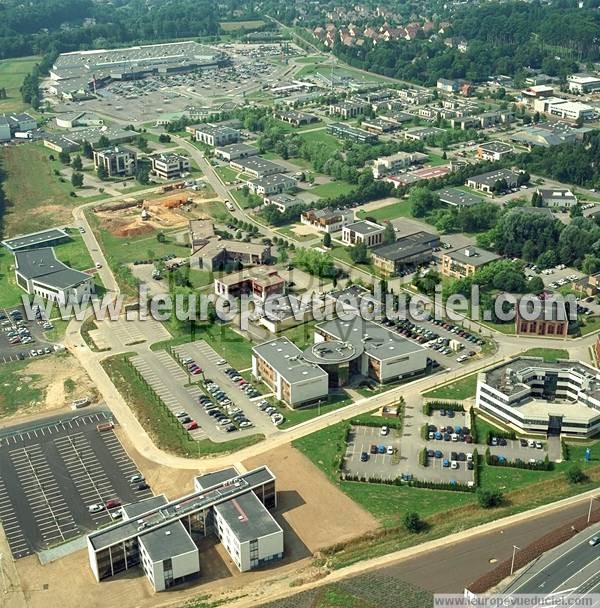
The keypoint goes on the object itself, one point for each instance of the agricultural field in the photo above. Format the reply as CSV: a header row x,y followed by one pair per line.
x,y
232,26
12,73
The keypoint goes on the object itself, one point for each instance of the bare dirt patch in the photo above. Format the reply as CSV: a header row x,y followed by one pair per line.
x,y
319,514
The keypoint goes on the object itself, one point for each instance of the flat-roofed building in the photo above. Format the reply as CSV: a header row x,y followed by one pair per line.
x,y
248,532
260,283
456,197
348,109
486,182
493,150
169,165
256,166
33,240
363,231
235,151
344,131
296,118
156,533
388,165
217,253
466,261
557,197
39,273
534,396
5,132
282,202
583,83
271,184
408,251
118,161
385,355
422,133
280,364
216,135
379,125
571,110
327,220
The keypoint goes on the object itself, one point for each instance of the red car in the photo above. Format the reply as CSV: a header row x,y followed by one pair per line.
x,y
190,426
113,503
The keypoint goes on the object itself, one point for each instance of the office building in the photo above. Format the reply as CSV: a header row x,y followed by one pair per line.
x,y
363,231
348,109
327,220
486,182
583,83
168,165
389,165
235,151
534,396
465,262
271,184
117,162
216,135
283,202
344,131
493,150
260,283
256,166
557,197
409,251
279,364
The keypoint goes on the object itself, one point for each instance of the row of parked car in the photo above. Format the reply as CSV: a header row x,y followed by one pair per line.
x,y
244,385
449,433
458,331
276,416
377,449
224,411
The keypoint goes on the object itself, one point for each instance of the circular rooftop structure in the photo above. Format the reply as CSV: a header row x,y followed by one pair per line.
x,y
332,352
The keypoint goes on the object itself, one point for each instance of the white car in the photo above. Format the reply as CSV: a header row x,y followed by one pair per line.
x,y
98,265
390,449
95,508
531,443
221,362
384,431
454,464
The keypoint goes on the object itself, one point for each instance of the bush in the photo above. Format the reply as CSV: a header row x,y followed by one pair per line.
x,y
413,522
488,499
425,432
430,406
575,474
423,457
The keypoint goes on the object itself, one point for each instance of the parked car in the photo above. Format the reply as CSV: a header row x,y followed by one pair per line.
x,y
95,508
364,457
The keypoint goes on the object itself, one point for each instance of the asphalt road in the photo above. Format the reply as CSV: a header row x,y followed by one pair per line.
x,y
451,569
568,568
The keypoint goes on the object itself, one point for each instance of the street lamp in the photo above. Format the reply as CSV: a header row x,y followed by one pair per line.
x,y
512,563
592,499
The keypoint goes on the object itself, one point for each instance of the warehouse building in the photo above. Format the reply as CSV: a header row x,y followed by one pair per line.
x,y
486,182
534,396
283,202
455,197
256,166
235,151
39,273
279,364
271,184
583,83
158,534
343,131
43,238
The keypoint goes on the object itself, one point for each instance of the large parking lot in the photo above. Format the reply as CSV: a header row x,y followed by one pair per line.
x,y
371,454
20,338
54,471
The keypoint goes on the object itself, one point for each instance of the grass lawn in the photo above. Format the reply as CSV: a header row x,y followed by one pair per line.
x,y
302,335
10,292
74,253
166,432
12,73
463,388
589,324
503,328
216,209
229,344
57,333
290,234
227,174
17,394
331,143
294,417
246,201
435,160
550,355
200,278
332,189
389,212
342,253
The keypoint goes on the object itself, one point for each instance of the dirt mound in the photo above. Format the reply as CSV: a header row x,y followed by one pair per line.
x,y
134,230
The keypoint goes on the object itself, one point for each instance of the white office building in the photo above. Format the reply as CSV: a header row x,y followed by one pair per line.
x,y
534,396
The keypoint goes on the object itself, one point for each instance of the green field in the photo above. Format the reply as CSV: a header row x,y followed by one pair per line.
x,y
227,174
550,355
302,336
12,73
290,234
17,393
463,388
74,253
37,199
589,324
231,26
332,189
331,143
389,212
294,417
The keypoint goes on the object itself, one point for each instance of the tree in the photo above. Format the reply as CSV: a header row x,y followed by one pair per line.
x,y
327,240
575,474
536,285
87,149
164,138
359,253
413,522
64,157
77,179
161,237
489,499
101,172
389,234
142,175
76,164
103,142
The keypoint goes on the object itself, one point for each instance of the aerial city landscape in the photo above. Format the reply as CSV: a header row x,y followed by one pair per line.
x,y
300,303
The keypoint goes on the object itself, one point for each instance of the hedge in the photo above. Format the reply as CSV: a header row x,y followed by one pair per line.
x,y
494,461
430,406
425,432
423,457
499,434
473,425
416,483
